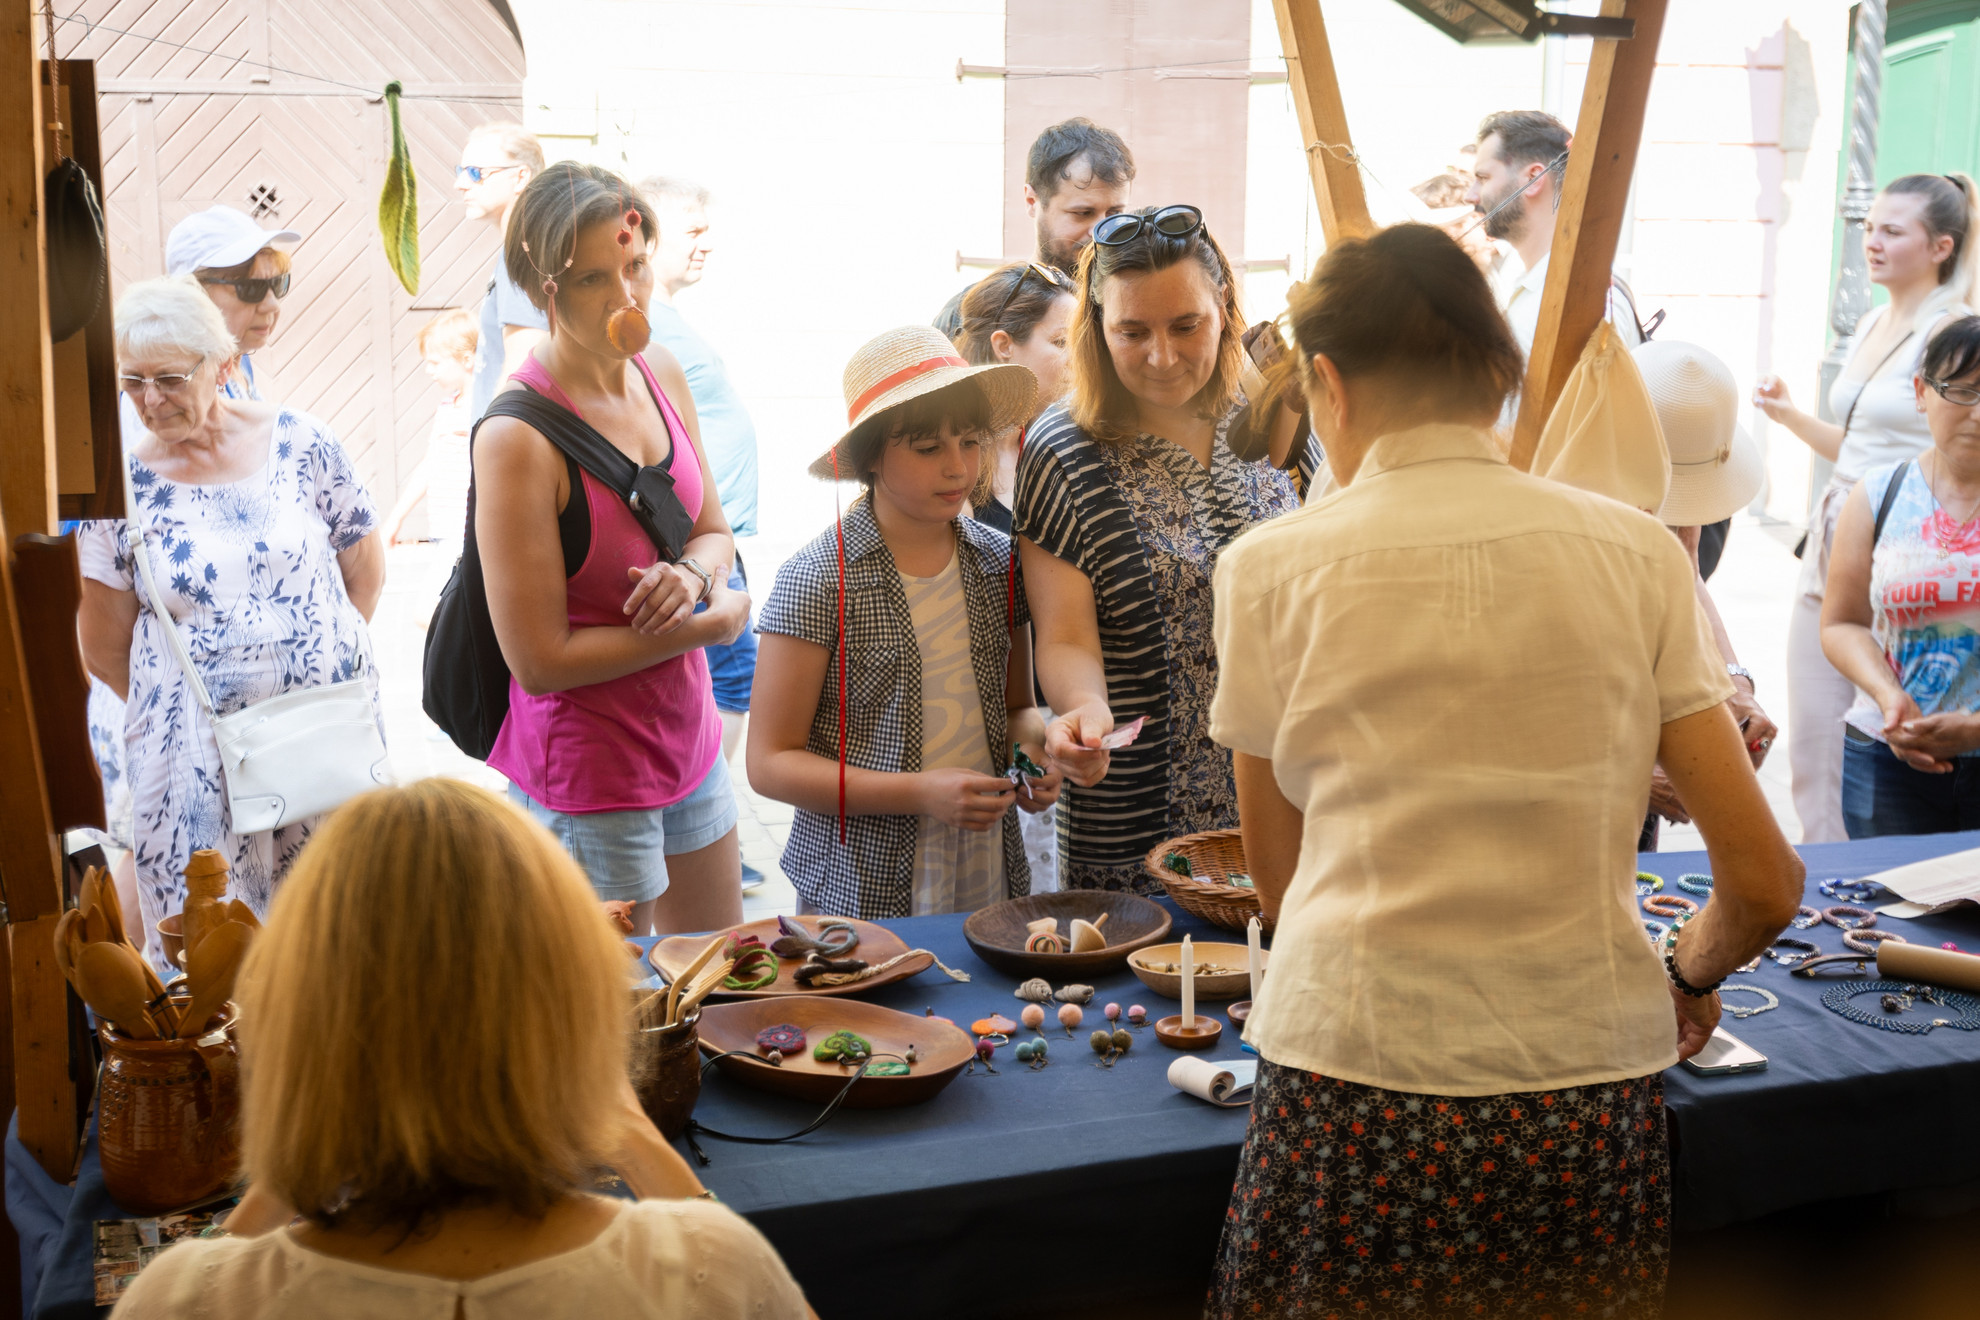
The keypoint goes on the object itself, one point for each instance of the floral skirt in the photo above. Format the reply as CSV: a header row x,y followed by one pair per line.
x,y
1353,1201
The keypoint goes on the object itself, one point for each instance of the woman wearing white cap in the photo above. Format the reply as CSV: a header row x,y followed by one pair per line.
x,y
1715,471
895,673
244,270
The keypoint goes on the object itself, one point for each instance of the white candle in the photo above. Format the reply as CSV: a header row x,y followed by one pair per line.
x,y
1253,933
1189,985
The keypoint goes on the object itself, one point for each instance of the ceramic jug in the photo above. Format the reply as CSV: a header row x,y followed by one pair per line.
x,y
168,1117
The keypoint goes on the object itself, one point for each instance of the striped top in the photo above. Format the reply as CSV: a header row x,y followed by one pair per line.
x,y
1145,522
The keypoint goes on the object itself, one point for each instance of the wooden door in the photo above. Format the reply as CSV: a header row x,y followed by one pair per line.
x,y
275,107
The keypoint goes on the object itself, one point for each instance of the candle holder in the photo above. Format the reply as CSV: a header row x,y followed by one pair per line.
x,y
1238,1012
1201,1034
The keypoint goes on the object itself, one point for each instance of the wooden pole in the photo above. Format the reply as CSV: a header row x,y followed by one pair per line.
x,y
1322,120
1594,195
27,362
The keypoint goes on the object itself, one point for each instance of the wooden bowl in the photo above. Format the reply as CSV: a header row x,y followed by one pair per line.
x,y
944,1049
998,933
1227,985
172,934
876,945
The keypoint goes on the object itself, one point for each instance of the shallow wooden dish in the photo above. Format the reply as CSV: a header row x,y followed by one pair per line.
x,y
1232,985
876,945
942,1047
998,933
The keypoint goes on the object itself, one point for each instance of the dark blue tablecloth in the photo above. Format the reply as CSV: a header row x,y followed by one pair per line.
x,y
1093,1185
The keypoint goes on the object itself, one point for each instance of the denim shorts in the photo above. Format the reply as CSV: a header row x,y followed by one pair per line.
x,y
624,852
732,668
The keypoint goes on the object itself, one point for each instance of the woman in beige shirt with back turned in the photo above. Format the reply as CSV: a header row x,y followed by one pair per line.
x,y
1445,685
434,1026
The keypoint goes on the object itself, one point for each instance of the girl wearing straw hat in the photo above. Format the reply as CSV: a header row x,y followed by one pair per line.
x,y
895,672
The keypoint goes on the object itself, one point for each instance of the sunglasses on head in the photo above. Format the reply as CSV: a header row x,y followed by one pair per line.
x,y
1053,278
1179,221
480,173
252,291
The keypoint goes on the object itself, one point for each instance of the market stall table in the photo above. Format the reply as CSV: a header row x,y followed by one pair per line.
x,y
1077,1187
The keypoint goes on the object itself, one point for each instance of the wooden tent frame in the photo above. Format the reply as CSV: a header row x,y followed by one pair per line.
x,y
1594,192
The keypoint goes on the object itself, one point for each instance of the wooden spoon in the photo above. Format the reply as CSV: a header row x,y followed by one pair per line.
x,y
113,907
64,956
95,924
112,984
212,969
241,912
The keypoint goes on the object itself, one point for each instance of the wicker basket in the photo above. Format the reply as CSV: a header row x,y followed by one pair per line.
x,y
1203,893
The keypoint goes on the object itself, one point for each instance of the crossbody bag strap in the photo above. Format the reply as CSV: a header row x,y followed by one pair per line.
x,y
1890,498
134,540
570,433
1870,379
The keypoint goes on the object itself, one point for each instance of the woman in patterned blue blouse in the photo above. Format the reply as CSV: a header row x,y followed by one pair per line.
x,y
1125,495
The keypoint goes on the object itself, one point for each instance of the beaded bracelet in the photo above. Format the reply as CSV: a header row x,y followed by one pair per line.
x,y
1807,918
1866,941
1897,999
1803,951
1656,930
1647,883
1861,918
1684,987
1850,891
1695,883
1669,905
1773,1000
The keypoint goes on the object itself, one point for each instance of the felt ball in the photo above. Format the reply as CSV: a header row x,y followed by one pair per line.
x,y
1034,1016
625,238
1122,1041
1024,1051
1113,1012
1070,1015
1950,945
984,1049
1038,1049
1137,1014
1101,1042
632,218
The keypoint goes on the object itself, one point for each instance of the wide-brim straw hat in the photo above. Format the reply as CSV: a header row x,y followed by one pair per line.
x,y
1716,468
914,360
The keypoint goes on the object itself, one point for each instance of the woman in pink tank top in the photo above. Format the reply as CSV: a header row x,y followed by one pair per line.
x,y
612,739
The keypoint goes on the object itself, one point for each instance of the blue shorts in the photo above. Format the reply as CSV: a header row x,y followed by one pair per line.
x,y
624,853
732,668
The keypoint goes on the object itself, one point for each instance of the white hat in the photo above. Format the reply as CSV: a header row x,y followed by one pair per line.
x,y
914,360
217,238
1716,468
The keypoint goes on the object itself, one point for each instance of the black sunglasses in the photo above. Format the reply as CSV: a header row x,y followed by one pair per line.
x,y
1179,221
1055,278
253,291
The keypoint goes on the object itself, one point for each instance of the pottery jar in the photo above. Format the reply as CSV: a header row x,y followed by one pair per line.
x,y
666,1073
168,1117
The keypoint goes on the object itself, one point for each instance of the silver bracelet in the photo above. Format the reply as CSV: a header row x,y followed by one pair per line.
x,y
1773,1000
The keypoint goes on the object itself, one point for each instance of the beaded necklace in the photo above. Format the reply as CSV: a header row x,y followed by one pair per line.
x,y
1897,999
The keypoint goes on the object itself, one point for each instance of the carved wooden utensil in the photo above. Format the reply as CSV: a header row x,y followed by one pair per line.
x,y
64,956
211,969
112,984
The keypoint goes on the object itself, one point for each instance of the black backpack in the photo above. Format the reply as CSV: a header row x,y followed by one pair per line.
x,y
464,681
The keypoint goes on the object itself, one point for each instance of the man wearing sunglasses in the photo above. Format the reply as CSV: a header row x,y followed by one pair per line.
x,y
244,269
1076,175
496,165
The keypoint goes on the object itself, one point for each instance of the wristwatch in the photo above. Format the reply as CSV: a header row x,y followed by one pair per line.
x,y
707,580
1741,671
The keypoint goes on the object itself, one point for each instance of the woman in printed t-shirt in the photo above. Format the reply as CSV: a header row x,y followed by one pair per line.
x,y
1901,618
612,740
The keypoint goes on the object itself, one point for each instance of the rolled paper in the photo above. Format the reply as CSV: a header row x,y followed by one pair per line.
x,y
1188,985
1253,934
1917,962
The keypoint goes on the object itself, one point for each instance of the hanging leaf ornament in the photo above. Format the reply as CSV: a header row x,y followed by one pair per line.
x,y
398,205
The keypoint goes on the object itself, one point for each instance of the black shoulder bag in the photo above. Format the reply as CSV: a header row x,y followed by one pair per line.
x,y
464,681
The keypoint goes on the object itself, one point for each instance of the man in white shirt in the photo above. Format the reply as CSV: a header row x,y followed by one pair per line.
x,y
1516,181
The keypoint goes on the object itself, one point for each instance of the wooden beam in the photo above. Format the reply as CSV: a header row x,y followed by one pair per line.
x,y
1322,120
1594,195
27,364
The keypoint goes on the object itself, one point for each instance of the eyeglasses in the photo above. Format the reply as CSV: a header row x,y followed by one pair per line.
x,y
171,384
253,291
1963,395
480,173
1178,221
1052,276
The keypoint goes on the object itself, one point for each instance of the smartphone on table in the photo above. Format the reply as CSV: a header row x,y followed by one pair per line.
x,y
1725,1053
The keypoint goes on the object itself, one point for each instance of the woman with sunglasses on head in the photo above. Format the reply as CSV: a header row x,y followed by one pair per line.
x,y
1922,248
1126,494
612,739
244,269
264,549
1020,314
1901,615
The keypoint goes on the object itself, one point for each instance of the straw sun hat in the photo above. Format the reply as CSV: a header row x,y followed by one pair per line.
x,y
1716,468
912,361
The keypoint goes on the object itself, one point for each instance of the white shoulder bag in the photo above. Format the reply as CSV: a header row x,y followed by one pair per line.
x,y
286,758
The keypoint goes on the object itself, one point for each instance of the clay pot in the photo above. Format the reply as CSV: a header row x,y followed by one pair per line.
x,y
168,1117
666,1074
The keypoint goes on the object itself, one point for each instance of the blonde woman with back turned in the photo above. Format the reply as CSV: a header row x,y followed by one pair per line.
x,y
435,1114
